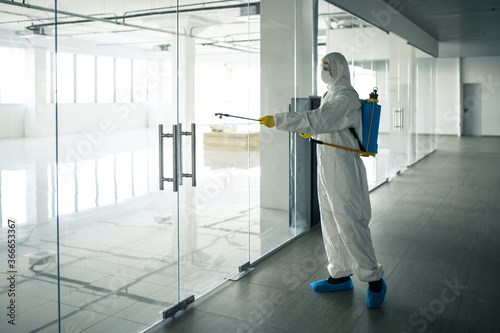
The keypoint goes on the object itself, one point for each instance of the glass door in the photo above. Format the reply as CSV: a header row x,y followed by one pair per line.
x,y
28,198
118,244
217,67
399,94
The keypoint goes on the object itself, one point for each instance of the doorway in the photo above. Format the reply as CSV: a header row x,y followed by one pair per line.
x,y
471,110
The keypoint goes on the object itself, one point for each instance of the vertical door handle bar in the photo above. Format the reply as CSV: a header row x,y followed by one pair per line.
x,y
193,153
175,136
174,179
402,119
192,175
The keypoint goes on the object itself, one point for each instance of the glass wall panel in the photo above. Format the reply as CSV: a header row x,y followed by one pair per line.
x,y
366,49
286,81
117,231
400,70
425,104
28,223
215,76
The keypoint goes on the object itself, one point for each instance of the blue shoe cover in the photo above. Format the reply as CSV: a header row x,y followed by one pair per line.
x,y
324,286
375,300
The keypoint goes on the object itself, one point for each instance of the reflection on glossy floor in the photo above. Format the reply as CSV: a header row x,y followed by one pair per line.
x,y
435,229
118,244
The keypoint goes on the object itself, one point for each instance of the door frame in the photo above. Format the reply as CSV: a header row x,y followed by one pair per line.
x,y
471,99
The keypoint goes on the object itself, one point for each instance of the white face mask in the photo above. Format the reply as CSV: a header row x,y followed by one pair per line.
x,y
326,77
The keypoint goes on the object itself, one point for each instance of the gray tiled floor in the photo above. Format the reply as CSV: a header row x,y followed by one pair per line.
x,y
435,229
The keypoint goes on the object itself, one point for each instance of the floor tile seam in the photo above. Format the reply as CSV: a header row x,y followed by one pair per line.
x,y
267,286
409,254
356,321
87,305
366,309
412,195
401,312
468,278
249,285
223,316
133,321
438,208
111,316
386,277
410,237
33,308
262,325
410,279
440,279
481,323
270,312
437,262
68,315
442,242
302,260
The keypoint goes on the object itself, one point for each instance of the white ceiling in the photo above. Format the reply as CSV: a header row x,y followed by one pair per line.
x,y
462,27
135,24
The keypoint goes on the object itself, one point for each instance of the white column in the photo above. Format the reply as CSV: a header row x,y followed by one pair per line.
x,y
185,84
40,122
286,72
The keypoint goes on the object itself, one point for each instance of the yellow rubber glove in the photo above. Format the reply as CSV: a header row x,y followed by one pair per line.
x,y
307,136
267,121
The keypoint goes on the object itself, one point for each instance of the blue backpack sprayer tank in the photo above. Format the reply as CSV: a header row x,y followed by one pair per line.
x,y
371,121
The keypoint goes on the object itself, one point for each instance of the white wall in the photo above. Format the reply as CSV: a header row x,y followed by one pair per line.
x,y
449,96
486,71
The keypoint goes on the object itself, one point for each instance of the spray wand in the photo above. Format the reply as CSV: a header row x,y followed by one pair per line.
x,y
220,115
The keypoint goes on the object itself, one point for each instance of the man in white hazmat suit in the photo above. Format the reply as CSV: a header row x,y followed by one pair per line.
x,y
342,185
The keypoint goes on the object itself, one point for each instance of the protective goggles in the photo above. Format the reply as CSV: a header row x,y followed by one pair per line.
x,y
325,67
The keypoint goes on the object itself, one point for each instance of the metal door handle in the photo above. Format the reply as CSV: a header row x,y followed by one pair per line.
x,y
398,119
174,179
402,124
192,175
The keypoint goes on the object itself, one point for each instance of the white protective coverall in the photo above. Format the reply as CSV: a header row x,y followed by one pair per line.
x,y
342,185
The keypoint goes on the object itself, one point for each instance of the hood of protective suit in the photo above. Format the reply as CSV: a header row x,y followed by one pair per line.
x,y
340,77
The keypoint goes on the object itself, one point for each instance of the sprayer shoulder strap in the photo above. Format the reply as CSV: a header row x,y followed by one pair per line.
x,y
353,132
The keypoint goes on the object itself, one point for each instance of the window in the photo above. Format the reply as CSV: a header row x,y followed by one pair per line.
x,y
85,79
65,78
105,80
123,80
12,75
51,74
140,81
96,79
